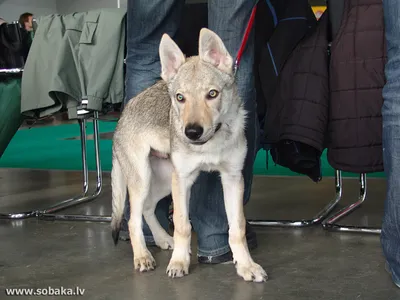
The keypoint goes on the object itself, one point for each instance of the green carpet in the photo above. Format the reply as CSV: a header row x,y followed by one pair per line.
x,y
51,147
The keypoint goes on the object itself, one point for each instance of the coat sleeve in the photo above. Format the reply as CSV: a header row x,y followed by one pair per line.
x,y
302,94
74,57
356,80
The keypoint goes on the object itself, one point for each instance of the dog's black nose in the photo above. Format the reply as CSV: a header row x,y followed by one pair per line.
x,y
193,131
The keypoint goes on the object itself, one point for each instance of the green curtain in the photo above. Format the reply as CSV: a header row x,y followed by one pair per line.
x,y
10,111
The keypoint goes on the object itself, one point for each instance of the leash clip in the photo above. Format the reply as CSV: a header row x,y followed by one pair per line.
x,y
235,67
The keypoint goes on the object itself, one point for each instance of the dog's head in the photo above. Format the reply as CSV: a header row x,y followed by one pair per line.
x,y
201,87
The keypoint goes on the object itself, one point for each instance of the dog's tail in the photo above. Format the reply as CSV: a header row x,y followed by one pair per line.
x,y
118,184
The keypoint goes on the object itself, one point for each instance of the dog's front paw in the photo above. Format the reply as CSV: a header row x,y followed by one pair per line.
x,y
165,243
177,268
251,272
144,262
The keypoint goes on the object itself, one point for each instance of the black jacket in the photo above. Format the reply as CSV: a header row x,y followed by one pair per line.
x,y
14,46
286,37
319,97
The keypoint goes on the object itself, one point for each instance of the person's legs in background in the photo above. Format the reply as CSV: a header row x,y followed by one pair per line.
x,y
147,21
227,18
390,237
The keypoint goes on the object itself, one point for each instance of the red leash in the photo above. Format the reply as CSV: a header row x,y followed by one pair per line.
x,y
244,40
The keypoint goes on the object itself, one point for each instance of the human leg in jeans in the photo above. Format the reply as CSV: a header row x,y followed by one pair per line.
x,y
390,237
147,21
228,18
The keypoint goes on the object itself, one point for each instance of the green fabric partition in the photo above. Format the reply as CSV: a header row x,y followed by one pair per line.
x,y
10,111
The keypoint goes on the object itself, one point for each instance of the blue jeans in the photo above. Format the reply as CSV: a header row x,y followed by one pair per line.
x,y
390,237
147,21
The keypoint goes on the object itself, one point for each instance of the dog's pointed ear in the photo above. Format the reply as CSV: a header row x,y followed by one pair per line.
x,y
171,57
212,50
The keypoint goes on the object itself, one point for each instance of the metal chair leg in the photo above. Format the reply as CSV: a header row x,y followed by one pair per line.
x,y
48,213
318,218
330,223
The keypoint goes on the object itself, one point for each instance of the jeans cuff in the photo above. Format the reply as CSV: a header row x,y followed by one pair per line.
x,y
214,252
395,277
149,240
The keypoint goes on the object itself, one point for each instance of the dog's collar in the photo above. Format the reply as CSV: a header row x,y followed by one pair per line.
x,y
218,127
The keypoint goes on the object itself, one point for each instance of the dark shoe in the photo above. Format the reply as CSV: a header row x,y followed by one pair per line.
x,y
251,238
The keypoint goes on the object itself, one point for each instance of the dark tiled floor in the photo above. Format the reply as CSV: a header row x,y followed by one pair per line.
x,y
307,263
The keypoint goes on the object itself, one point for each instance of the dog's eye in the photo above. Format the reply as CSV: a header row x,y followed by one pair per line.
x,y
212,94
180,97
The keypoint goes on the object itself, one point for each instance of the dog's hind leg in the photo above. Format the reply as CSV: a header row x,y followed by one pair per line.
x,y
159,188
233,186
138,176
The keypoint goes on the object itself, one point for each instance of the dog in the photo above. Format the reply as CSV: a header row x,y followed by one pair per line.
x,y
190,121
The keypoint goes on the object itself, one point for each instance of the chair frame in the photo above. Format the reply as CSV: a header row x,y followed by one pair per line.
x,y
317,219
331,223
85,197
